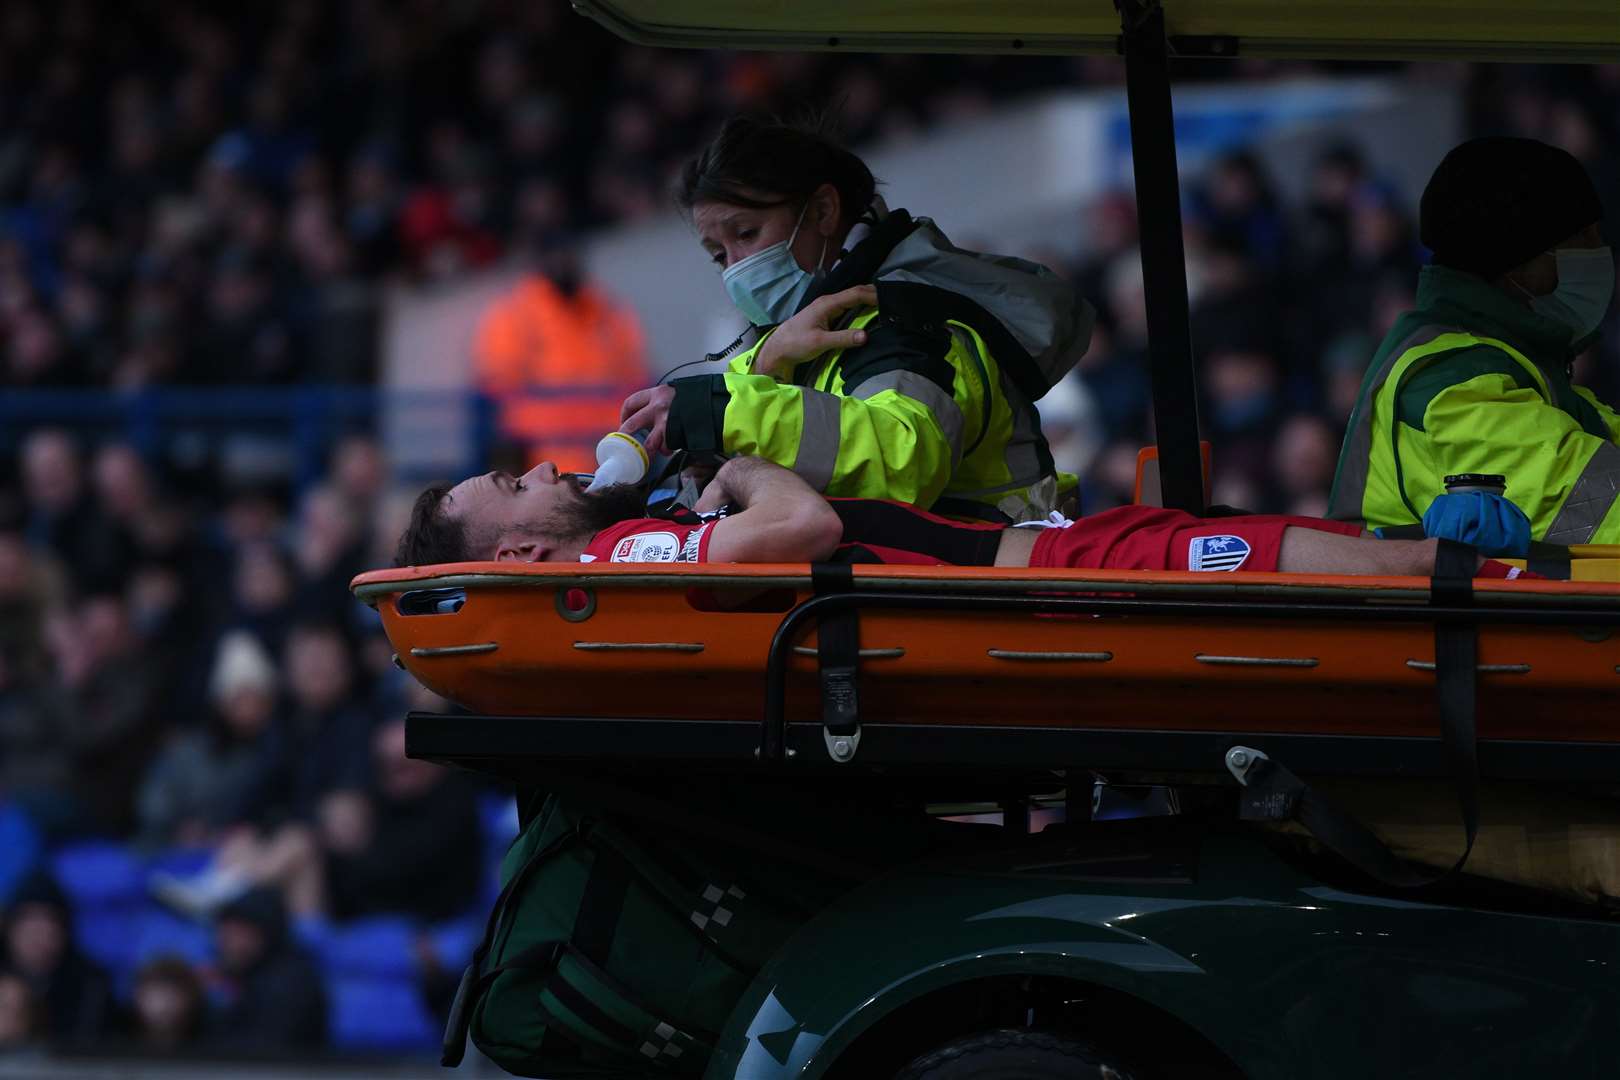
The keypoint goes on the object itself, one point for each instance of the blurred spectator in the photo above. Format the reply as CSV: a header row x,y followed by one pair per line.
x,y
75,995
1236,207
114,726
274,1001
410,846
1303,460
407,844
36,756
59,517
328,550
1241,387
1072,425
1114,368
21,1029
245,337
1323,237
169,1006
37,765
229,774
557,333
1110,235
326,738
328,729
261,600
359,474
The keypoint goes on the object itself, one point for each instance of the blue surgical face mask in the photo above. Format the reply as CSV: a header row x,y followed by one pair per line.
x,y
1585,287
769,285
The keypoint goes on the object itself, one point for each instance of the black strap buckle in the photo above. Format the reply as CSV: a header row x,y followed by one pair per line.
x,y
838,650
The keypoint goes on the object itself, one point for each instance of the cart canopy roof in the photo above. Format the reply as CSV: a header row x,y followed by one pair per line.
x,y
1513,30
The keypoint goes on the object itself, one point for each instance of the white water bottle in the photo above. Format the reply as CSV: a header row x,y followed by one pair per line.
x,y
620,459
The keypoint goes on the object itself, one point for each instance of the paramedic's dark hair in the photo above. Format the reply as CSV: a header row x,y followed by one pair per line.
x,y
783,162
433,536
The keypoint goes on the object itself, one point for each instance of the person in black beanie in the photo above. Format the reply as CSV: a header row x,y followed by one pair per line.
x,y
1477,380
275,1001
39,947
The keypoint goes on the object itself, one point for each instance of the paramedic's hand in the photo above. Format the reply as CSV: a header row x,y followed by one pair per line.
x,y
648,409
1489,522
810,333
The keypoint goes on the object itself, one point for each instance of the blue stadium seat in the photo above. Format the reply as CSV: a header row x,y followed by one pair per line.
x,y
312,932
159,931
106,934
381,947
498,821
497,816
20,847
99,873
454,941
182,862
379,1015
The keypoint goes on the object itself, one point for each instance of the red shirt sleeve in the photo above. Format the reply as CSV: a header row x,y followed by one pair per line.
x,y
650,540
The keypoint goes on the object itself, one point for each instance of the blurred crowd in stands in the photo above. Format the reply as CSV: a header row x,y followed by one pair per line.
x,y
202,763
210,838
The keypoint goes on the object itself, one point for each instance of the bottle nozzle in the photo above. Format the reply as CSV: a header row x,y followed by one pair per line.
x,y
620,459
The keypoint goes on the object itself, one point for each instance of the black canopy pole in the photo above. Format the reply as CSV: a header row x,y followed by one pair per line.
x,y
1164,267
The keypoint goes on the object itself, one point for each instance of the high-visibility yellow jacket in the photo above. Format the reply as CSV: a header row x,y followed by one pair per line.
x,y
936,408
1473,382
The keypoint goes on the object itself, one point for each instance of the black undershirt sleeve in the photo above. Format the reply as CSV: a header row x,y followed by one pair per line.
x,y
893,525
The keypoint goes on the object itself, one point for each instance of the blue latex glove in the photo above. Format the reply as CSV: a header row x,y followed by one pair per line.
x,y
1489,522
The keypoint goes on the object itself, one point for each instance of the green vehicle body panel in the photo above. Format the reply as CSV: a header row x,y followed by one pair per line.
x,y
1289,977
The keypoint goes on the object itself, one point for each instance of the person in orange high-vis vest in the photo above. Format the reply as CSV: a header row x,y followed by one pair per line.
x,y
557,355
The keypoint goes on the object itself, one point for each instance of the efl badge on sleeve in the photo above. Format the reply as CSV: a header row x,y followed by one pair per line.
x,y
1217,552
648,547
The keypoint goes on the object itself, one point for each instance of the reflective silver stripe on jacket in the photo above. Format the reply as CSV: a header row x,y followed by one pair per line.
x,y
1589,500
921,388
1355,461
818,439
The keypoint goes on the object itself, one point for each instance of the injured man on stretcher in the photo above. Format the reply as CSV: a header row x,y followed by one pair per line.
x,y
754,511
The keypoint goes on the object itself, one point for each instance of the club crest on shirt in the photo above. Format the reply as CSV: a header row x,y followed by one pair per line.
x,y
1224,552
648,547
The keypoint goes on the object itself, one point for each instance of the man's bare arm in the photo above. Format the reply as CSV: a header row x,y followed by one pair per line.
x,y
783,518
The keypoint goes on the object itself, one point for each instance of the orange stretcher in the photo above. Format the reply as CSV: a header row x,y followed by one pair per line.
x,y
968,666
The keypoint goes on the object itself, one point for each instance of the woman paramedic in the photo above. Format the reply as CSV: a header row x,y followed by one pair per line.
x,y
926,391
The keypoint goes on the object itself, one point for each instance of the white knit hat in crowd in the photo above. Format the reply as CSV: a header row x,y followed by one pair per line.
x,y
241,663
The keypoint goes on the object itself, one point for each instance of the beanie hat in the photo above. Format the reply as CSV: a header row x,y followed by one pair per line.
x,y
1497,202
241,664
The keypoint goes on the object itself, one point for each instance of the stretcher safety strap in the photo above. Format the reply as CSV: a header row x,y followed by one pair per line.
x,y
838,639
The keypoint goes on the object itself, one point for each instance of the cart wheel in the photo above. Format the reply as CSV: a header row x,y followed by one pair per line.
x,y
1012,1055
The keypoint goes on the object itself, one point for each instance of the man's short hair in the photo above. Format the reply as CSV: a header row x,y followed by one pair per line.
x,y
433,536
